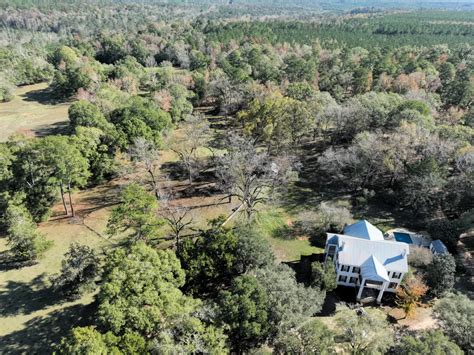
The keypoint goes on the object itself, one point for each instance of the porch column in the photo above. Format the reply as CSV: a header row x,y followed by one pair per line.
x,y
361,288
379,297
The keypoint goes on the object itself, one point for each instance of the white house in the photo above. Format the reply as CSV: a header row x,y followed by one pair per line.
x,y
364,259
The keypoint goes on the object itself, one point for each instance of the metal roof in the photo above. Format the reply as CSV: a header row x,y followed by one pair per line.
x,y
364,230
372,269
355,251
439,247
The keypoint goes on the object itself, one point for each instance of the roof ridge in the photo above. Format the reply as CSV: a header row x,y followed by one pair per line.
x,y
368,240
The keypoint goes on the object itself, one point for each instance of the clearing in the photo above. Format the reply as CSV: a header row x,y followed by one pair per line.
x,y
33,317
32,112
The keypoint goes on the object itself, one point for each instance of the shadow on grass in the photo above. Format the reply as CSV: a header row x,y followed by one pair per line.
x,y
52,129
43,96
42,333
27,297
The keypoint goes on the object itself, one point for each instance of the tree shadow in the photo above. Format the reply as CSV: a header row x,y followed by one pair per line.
x,y
175,170
43,96
41,334
57,128
27,297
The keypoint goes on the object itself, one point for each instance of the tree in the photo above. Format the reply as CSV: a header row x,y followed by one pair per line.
x,y
141,303
430,342
251,175
363,331
252,250
191,336
79,268
290,303
441,274
84,113
244,309
455,313
323,276
140,291
209,259
147,153
24,240
95,145
446,231
409,293
86,340
311,337
195,134
279,122
69,167
6,161
179,219
140,118
136,213
33,172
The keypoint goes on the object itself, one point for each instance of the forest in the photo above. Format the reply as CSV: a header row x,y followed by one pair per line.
x,y
170,171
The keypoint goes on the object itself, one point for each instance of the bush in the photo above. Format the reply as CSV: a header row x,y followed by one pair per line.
x,y
328,218
420,257
440,274
6,91
323,277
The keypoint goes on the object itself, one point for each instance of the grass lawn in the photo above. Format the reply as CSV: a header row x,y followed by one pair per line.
x,y
32,112
32,316
275,224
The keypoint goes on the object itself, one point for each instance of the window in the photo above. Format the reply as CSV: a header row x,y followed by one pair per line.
x,y
345,268
342,278
392,285
356,270
353,280
397,275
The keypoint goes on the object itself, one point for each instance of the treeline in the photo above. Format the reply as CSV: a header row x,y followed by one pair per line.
x,y
381,31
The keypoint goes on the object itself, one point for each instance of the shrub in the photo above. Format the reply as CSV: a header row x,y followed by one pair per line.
x,y
410,292
322,276
420,257
328,218
440,274
6,91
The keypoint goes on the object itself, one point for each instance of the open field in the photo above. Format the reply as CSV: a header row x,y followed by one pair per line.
x,y
32,112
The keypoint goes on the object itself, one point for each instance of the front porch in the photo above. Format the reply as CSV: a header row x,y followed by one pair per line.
x,y
370,290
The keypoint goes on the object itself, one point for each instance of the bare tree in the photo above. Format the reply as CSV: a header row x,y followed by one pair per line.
x,y
252,175
195,133
145,152
178,218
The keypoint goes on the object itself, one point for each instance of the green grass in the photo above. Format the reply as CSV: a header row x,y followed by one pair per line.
x,y
32,316
32,112
275,226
